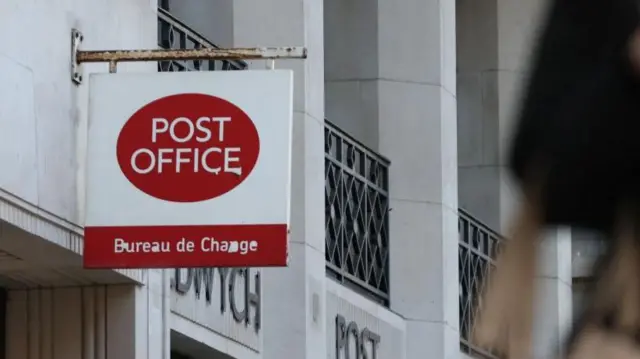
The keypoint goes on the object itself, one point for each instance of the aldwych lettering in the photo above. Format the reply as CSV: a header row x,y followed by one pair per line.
x,y
363,338
202,279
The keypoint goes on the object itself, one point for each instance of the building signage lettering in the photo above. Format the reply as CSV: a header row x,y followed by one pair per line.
x,y
347,333
203,281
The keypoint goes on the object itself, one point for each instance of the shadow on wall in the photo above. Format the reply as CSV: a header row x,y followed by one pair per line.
x,y
183,347
3,323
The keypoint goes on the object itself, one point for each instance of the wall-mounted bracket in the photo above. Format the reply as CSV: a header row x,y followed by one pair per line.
x,y
113,57
76,68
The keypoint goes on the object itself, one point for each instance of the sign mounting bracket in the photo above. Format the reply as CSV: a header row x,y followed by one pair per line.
x,y
113,57
76,40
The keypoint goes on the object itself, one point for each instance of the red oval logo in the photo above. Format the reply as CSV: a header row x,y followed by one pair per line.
x,y
188,148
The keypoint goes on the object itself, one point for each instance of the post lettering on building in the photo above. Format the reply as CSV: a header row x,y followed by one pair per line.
x,y
208,282
351,339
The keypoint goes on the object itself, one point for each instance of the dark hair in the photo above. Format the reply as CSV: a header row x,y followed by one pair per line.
x,y
579,119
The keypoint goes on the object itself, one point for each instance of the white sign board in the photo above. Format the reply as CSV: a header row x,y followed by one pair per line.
x,y
188,169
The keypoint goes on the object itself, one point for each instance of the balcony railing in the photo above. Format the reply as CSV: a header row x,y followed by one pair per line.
x,y
478,246
356,215
173,34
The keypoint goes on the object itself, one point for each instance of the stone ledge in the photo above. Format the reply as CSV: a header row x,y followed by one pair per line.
x,y
50,227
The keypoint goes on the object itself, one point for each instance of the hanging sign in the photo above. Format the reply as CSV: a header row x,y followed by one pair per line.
x,y
188,169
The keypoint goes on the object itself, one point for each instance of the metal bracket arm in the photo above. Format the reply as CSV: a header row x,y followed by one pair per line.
x,y
257,53
209,53
76,39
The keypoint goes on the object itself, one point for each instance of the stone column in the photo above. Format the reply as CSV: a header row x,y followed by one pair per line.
x,y
554,308
417,131
137,319
294,297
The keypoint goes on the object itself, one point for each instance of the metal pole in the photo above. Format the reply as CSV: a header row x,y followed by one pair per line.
x,y
258,53
113,57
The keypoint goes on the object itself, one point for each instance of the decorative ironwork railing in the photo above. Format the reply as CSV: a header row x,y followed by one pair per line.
x,y
173,34
356,214
478,246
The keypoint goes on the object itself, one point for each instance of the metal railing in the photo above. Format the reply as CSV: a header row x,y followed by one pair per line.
x,y
478,246
173,34
356,215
